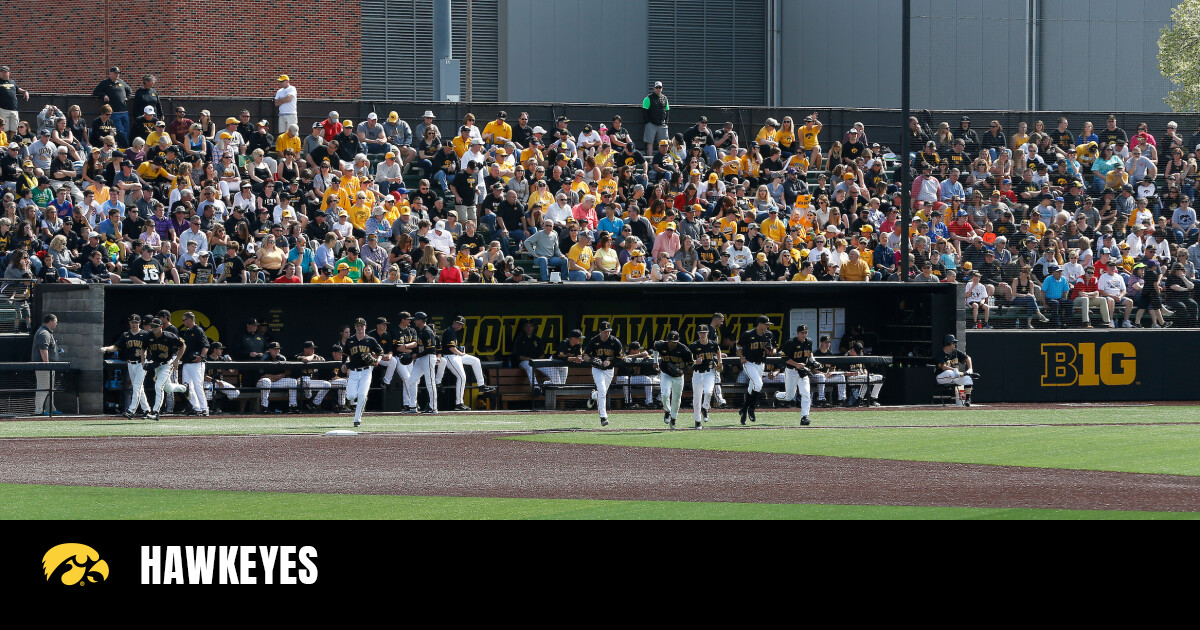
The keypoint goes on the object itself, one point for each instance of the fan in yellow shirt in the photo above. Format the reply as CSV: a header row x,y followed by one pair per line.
x,y
465,262
772,227
580,256
766,135
359,213
287,141
607,184
731,165
335,190
635,269
498,131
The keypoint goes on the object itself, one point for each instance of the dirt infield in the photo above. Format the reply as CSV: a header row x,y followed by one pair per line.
x,y
481,465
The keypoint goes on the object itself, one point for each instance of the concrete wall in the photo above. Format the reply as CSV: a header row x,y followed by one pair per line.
x,y
573,51
80,333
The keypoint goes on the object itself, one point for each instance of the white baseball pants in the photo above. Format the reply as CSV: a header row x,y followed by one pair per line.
x,y
794,383
194,373
702,389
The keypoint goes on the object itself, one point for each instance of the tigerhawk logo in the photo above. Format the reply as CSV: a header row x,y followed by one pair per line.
x,y
75,564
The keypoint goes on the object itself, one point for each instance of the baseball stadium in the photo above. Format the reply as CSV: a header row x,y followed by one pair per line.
x,y
677,280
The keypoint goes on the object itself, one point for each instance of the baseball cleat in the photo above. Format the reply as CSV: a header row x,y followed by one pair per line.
x,y
128,414
358,423
430,411
153,415
751,416
671,423
704,414
487,389
742,416
667,417
699,425
461,408
603,422
804,421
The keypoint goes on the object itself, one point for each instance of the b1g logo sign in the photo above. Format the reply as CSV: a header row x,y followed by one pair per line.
x,y
1089,364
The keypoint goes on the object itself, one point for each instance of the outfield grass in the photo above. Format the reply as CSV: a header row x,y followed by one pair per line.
x,y
85,503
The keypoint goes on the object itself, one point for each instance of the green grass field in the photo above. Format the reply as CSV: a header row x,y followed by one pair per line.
x,y
1145,439
77,503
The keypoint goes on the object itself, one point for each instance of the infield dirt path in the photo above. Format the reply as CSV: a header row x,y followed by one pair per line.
x,y
480,465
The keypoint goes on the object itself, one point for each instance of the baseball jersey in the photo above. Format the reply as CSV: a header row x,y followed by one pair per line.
x,y
309,371
405,336
673,362
162,348
449,340
609,350
565,349
798,351
709,355
387,339
754,345
196,343
953,360
358,351
274,365
527,346
131,345
426,342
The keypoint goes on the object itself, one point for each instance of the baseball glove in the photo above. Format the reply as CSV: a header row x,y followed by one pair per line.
x,y
597,363
670,369
406,358
371,360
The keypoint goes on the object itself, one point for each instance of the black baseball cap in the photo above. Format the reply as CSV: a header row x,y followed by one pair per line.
x,y
420,315
949,340
308,344
802,328
605,326
673,335
762,319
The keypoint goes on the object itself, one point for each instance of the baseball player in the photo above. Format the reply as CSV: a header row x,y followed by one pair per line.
x,y
706,367
165,316
638,368
337,377
195,342
406,342
673,359
828,375
954,367
752,349
569,350
857,374
273,377
387,340
362,354
603,351
313,388
528,346
130,348
213,381
424,364
454,357
716,332
164,350
798,359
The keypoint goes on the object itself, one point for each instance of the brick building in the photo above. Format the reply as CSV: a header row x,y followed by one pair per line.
x,y
219,48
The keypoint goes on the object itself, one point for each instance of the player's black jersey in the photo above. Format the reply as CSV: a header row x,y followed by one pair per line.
x,y
755,346
273,365
673,362
309,371
609,350
427,343
565,350
527,346
387,339
405,336
358,351
953,360
709,355
449,340
796,350
131,345
196,343
162,349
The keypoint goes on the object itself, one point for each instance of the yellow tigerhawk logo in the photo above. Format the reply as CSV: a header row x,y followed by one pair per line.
x,y
79,564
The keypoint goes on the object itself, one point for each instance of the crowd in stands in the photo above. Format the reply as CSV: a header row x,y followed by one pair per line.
x,y
151,196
